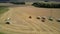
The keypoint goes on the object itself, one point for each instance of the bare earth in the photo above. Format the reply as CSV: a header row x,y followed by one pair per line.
x,y
21,24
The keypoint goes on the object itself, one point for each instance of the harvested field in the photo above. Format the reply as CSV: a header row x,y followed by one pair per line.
x,y
20,23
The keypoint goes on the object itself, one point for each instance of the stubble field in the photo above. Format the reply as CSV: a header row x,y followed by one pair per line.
x,y
20,23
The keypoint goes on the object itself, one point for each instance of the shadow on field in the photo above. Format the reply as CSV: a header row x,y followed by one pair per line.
x,y
2,33
3,9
